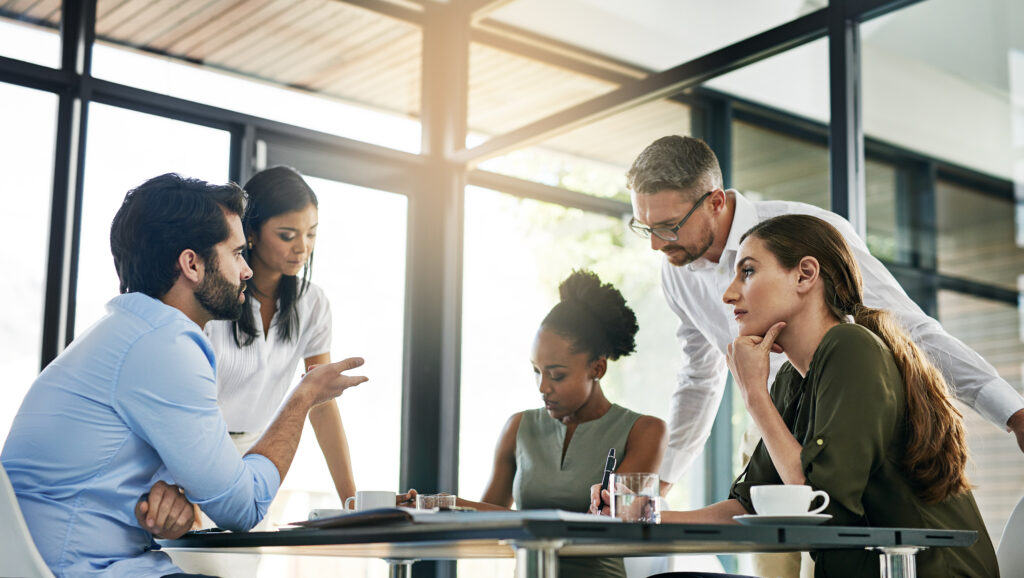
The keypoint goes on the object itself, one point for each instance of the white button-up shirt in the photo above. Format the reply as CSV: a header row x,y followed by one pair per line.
x,y
252,381
707,327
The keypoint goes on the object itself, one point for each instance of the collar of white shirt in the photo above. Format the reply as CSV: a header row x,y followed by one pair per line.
x,y
743,218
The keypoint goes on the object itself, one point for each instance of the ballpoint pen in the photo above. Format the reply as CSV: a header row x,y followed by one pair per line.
x,y
609,467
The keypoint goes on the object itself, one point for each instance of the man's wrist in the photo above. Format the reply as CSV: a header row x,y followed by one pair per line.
x,y
1016,422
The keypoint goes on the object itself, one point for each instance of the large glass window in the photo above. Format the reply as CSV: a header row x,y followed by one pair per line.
x,y
769,165
29,31
125,149
330,66
977,236
594,158
27,127
961,104
795,81
365,283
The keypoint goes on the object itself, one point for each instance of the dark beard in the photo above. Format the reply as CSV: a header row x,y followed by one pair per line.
x,y
217,295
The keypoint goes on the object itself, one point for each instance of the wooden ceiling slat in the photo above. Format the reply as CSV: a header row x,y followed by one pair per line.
x,y
235,13
331,45
365,48
19,6
248,28
195,16
275,35
116,16
142,22
303,34
44,10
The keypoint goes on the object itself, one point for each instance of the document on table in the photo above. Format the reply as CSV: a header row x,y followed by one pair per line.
x,y
341,518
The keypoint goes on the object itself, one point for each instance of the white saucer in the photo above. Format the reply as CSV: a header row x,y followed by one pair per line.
x,y
798,520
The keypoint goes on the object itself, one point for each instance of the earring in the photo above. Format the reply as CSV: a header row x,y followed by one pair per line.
x,y
250,245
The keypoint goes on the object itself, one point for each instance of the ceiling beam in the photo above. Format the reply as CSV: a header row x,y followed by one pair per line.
x,y
480,9
656,86
411,12
548,194
530,45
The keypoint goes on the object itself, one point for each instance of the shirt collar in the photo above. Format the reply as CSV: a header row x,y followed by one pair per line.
x,y
146,307
744,217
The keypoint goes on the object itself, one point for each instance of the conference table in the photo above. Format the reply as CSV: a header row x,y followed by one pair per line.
x,y
536,541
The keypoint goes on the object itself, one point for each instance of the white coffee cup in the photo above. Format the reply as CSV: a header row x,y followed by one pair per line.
x,y
369,500
786,500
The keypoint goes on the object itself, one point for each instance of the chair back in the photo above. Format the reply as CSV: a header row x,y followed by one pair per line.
x,y
1010,552
18,554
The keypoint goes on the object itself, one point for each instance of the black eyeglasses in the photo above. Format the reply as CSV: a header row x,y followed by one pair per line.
x,y
665,233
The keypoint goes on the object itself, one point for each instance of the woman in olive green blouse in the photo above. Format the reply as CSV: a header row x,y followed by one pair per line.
x,y
858,411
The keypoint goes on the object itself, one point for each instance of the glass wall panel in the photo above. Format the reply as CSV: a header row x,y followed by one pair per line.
x,y
325,65
27,128
504,305
795,81
125,149
769,165
994,330
884,238
30,31
365,283
956,101
961,103
594,158
977,236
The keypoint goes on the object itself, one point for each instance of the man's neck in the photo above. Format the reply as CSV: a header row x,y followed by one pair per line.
x,y
722,228
185,301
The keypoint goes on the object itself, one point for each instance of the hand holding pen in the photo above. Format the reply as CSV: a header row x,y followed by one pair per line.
x,y
609,467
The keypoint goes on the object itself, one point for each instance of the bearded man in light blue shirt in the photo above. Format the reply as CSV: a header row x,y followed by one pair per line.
x,y
133,400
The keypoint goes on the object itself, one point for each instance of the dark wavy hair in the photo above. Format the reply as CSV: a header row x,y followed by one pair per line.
x,y
272,192
935,459
593,316
163,217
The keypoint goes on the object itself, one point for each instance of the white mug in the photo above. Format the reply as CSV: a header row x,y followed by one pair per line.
x,y
786,500
370,500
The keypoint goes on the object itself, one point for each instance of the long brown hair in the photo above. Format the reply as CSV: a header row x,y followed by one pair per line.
x,y
936,453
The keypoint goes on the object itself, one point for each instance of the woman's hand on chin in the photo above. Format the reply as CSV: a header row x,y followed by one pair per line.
x,y
749,363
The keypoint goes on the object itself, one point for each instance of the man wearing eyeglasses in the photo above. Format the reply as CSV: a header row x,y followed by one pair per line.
x,y
680,205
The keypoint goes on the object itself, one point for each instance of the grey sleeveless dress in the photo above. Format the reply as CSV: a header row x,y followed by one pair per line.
x,y
544,480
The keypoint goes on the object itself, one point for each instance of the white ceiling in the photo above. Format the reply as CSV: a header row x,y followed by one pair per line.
x,y
653,34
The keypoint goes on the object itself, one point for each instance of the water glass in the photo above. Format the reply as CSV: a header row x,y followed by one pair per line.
x,y
635,497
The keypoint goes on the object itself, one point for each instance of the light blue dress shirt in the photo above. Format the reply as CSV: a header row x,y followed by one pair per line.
x,y
131,401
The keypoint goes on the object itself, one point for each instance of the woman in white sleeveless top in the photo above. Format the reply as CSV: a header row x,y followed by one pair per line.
x,y
286,320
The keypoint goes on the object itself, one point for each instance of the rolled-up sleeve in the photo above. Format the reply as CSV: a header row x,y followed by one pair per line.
x,y
166,393
700,384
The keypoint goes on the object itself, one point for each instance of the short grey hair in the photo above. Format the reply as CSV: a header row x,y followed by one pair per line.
x,y
680,163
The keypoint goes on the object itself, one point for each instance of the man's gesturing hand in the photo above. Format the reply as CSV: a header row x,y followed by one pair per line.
x,y
326,382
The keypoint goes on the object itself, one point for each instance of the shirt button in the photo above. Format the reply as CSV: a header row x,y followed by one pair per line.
x,y
820,442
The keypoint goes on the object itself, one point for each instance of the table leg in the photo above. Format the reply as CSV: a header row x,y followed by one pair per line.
x,y
898,561
399,568
537,559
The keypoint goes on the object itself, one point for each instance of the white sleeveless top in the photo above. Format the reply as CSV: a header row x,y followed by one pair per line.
x,y
252,381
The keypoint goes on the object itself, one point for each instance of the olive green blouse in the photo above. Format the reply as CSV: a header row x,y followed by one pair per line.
x,y
848,413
